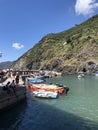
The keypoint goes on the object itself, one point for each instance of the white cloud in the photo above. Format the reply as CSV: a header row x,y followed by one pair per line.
x,y
85,7
17,46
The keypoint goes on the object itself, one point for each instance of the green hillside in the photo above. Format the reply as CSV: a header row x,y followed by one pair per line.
x,y
68,52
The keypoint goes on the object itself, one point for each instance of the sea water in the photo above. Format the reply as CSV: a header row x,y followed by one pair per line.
x,y
78,110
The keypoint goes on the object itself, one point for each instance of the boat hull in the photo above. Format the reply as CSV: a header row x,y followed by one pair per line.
x,y
46,87
45,94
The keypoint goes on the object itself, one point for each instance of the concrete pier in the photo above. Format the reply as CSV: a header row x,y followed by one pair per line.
x,y
8,100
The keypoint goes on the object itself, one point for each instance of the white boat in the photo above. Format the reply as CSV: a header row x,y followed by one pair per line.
x,y
96,73
45,94
81,75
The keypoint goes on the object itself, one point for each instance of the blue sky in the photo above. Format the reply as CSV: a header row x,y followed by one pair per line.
x,y
24,22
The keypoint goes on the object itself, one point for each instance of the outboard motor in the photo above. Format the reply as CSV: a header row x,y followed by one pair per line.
x,y
66,89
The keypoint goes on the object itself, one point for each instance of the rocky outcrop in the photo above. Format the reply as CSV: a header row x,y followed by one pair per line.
x,y
68,52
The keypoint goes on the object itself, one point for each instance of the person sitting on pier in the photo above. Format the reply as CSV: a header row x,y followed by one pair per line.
x,y
12,85
7,87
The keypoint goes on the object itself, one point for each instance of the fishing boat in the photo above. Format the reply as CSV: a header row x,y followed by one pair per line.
x,y
45,94
39,84
46,87
32,80
96,74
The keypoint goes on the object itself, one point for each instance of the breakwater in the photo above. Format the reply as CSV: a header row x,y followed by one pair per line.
x,y
7,100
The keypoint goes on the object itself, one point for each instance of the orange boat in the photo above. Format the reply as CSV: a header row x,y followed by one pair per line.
x,y
46,87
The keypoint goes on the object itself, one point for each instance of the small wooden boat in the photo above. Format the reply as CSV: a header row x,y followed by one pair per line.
x,y
47,87
39,84
34,80
45,94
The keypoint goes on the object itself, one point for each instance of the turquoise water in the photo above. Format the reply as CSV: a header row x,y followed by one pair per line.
x,y
82,99
78,110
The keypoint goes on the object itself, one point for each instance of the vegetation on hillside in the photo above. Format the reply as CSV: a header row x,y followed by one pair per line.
x,y
71,49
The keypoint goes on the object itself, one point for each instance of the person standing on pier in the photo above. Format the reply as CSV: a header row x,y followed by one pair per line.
x,y
17,79
13,86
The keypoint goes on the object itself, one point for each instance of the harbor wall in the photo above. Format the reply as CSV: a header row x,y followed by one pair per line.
x,y
7,100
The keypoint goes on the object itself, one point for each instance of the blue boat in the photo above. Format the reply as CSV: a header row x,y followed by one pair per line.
x,y
35,80
96,73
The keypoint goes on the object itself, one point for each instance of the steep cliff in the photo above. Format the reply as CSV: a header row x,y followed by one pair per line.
x,y
68,52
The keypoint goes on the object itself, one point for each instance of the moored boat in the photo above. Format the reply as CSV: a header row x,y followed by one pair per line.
x,y
47,87
81,75
39,84
45,94
35,80
96,74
